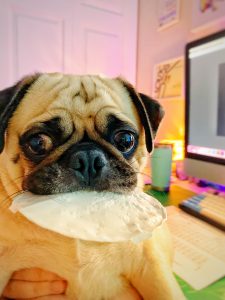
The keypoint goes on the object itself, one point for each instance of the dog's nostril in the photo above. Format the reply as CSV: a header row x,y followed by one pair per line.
x,y
79,164
96,165
99,163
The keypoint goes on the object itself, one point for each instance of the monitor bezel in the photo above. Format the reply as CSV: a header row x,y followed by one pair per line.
x,y
190,45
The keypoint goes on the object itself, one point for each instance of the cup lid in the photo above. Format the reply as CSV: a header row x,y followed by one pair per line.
x,y
163,145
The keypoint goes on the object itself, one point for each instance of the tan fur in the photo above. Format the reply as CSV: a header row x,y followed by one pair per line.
x,y
94,271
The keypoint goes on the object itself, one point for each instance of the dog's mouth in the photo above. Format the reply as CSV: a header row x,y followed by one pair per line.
x,y
56,178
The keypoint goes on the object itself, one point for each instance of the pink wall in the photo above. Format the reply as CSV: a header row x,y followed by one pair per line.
x,y
154,47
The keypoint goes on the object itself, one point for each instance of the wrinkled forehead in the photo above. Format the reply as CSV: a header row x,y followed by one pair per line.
x,y
77,98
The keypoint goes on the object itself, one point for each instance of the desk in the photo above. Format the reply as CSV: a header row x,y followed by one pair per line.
x,y
215,291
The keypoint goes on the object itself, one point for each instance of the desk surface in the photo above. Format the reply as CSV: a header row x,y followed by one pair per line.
x,y
215,291
174,197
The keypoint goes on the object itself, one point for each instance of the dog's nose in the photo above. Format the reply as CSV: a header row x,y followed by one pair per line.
x,y
88,165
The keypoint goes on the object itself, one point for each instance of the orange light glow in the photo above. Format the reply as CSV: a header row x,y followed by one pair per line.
x,y
178,148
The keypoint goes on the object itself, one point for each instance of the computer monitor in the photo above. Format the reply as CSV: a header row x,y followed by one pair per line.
x,y
205,108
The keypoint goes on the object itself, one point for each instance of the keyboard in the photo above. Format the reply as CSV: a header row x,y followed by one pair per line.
x,y
208,207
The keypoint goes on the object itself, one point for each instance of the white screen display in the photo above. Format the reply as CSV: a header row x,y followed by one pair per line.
x,y
207,99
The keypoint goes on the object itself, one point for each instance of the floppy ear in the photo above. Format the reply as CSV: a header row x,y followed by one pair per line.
x,y
9,100
150,112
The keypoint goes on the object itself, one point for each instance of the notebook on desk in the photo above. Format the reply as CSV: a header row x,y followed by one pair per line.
x,y
199,249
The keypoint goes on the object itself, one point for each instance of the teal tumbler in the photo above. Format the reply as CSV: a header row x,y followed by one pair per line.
x,y
161,166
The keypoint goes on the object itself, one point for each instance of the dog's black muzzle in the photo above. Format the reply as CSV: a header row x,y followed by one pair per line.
x,y
84,166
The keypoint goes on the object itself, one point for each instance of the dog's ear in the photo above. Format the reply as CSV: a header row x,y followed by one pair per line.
x,y
9,100
150,112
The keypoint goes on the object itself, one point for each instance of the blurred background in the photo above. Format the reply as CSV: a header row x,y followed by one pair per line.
x,y
137,39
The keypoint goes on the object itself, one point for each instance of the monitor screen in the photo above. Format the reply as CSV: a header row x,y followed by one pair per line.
x,y
205,100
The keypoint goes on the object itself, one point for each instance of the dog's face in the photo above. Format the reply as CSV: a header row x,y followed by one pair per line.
x,y
62,133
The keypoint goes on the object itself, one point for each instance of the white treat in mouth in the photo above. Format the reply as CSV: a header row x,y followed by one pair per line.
x,y
94,216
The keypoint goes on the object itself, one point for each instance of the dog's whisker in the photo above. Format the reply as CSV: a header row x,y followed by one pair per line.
x,y
11,180
4,201
145,174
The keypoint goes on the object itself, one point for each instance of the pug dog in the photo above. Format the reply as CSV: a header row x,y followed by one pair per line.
x,y
64,133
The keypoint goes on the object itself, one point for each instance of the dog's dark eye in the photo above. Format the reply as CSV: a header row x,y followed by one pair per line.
x,y
39,144
124,141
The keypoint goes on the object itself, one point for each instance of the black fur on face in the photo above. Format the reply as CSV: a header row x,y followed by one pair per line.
x,y
85,165
60,177
51,128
